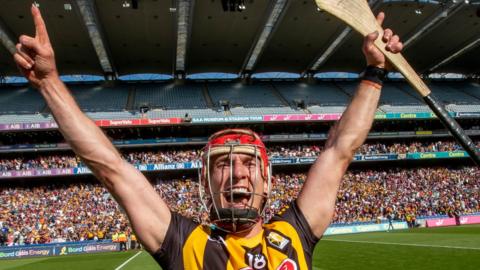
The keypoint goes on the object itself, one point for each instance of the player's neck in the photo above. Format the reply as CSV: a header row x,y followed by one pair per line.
x,y
255,230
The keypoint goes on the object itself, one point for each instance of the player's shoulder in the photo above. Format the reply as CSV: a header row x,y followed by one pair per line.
x,y
183,223
285,213
181,232
291,218
283,218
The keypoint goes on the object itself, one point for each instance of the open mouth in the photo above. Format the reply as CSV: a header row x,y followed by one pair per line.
x,y
238,197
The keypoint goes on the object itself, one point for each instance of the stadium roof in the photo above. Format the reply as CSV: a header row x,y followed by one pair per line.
x,y
119,37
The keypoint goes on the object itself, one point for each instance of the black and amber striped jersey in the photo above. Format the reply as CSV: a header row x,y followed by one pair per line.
x,y
285,242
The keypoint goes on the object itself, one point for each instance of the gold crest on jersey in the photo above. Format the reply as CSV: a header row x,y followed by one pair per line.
x,y
277,240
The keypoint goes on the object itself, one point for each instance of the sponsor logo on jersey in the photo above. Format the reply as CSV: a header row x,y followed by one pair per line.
x,y
288,264
277,240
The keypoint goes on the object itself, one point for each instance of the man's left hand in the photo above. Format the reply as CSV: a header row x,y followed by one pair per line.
x,y
372,54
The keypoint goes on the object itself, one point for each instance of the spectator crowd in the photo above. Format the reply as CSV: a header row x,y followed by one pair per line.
x,y
85,211
58,161
58,213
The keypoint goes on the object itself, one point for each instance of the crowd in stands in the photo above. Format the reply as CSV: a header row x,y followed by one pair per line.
x,y
40,162
59,213
414,147
76,212
370,195
156,157
186,155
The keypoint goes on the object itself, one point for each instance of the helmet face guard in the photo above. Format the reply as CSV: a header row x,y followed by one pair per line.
x,y
242,214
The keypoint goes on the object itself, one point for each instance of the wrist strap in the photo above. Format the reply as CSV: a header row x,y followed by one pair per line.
x,y
374,74
372,84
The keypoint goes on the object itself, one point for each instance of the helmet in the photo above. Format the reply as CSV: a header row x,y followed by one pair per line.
x,y
229,142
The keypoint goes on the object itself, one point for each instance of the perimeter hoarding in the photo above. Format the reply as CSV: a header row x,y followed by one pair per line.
x,y
37,172
464,220
70,249
226,119
21,252
56,249
28,126
364,228
100,123
441,222
197,164
301,117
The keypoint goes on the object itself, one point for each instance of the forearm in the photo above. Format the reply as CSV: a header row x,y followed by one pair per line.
x,y
318,195
148,214
86,139
352,129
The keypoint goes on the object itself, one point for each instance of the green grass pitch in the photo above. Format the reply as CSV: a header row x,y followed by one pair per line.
x,y
435,248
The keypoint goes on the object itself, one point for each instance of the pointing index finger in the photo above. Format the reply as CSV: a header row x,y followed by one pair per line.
x,y
40,28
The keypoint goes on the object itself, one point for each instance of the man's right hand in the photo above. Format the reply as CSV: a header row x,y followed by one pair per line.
x,y
34,56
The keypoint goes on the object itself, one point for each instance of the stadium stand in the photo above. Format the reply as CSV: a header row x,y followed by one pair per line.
x,y
170,96
472,89
25,118
242,111
396,97
256,95
464,108
95,98
113,115
191,154
450,95
325,93
165,100
77,210
326,109
158,113
20,100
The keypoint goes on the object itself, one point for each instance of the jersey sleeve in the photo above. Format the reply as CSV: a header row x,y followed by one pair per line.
x,y
294,216
169,256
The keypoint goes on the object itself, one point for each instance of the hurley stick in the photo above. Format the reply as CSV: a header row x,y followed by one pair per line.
x,y
359,16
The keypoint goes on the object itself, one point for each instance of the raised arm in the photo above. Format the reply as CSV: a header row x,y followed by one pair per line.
x,y
148,214
318,195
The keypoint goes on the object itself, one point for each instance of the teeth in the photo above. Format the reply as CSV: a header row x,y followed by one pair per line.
x,y
239,190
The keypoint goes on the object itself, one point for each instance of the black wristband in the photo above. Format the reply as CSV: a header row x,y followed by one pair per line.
x,y
374,74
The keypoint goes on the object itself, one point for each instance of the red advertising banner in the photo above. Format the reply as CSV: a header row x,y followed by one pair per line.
x,y
441,222
469,220
161,121
302,117
100,123
138,122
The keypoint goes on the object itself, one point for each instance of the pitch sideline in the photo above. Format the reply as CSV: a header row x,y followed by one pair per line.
x,y
128,260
